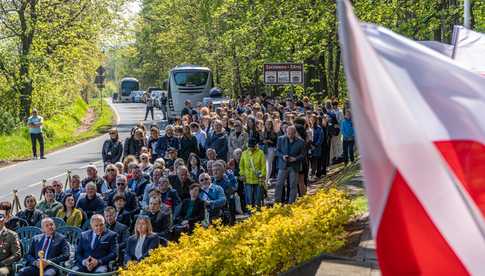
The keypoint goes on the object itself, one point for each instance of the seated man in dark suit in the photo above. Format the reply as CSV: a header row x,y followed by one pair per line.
x,y
54,245
97,247
118,228
9,248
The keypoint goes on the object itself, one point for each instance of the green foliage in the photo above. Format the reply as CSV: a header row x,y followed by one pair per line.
x,y
60,130
270,241
49,51
7,122
235,38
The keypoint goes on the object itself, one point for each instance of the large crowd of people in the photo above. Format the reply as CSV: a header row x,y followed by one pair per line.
x,y
210,163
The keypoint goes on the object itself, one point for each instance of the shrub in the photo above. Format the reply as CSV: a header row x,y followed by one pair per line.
x,y
273,240
8,122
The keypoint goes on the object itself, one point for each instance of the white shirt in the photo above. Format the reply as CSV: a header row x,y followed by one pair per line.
x,y
139,247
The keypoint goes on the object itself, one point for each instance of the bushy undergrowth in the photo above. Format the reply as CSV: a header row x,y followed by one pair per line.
x,y
273,240
59,130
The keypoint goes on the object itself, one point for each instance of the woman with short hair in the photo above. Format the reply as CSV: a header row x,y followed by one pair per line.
x,y
49,206
144,240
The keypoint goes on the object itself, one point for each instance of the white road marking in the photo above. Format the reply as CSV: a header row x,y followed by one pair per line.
x,y
40,182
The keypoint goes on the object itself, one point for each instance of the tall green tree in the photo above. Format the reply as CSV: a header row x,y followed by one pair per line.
x,y
49,46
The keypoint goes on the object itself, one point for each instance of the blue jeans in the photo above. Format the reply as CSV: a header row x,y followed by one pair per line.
x,y
290,174
253,194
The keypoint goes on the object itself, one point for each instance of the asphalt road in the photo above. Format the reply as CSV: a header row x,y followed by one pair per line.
x,y
26,177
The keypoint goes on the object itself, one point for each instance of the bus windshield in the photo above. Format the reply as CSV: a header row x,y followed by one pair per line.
x,y
128,86
191,78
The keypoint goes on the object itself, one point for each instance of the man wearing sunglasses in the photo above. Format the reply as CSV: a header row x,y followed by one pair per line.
x,y
212,195
9,247
130,197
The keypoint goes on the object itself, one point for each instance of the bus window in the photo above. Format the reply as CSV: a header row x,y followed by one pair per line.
x,y
188,78
128,86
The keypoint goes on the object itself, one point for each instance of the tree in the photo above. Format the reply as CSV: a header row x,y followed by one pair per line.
x,y
43,42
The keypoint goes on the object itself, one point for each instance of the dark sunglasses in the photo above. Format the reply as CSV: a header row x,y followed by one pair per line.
x,y
120,183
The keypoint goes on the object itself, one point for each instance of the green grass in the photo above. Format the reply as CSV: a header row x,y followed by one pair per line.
x,y
361,204
348,176
60,130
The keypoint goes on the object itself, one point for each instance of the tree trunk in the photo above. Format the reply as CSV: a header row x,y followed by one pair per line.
x,y
255,90
24,84
322,74
336,73
237,73
330,65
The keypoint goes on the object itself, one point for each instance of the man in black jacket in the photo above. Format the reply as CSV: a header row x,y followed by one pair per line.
x,y
91,203
92,177
181,182
118,228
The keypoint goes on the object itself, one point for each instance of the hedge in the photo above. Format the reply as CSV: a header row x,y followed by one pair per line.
x,y
270,241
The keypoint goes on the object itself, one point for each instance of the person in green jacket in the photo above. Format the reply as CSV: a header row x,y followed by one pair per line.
x,y
49,206
253,172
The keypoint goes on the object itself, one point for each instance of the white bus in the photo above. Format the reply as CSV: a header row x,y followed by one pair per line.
x,y
127,85
187,82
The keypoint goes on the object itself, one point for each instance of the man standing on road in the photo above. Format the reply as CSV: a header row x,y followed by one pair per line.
x,y
149,108
35,123
290,151
163,105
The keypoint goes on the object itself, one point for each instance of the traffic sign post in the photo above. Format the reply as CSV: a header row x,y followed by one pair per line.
x,y
99,81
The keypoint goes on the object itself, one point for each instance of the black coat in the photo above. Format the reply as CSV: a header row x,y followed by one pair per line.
x,y
187,146
122,231
32,217
181,188
132,147
160,221
130,198
112,151
197,215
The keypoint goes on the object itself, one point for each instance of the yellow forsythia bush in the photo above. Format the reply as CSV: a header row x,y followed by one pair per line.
x,y
272,240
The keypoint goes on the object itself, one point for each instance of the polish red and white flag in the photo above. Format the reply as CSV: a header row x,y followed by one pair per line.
x,y
420,122
469,49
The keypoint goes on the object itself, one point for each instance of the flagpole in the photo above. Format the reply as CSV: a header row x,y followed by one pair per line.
x,y
467,14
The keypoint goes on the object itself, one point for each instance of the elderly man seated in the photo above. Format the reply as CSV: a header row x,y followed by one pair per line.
x,y
55,248
97,247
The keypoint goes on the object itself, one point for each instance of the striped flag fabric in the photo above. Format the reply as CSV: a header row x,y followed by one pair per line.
x,y
420,124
